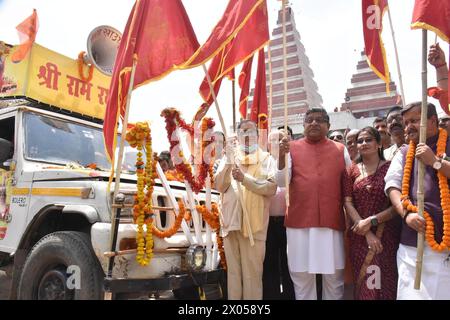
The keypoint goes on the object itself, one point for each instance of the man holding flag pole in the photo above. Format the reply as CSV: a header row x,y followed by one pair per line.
x,y
417,181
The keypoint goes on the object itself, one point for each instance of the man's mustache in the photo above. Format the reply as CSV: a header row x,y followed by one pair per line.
x,y
412,131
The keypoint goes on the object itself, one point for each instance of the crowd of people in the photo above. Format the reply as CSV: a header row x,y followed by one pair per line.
x,y
350,217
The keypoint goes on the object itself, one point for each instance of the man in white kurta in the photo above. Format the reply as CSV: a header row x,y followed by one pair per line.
x,y
315,221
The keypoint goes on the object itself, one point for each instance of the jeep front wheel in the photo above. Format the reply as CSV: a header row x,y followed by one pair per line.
x,y
62,266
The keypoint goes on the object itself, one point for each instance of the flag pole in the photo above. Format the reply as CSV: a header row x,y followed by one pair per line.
x,y
241,199
421,167
286,176
115,215
213,94
269,56
400,78
233,88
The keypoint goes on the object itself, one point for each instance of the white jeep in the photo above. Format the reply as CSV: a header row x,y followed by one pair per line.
x,y
55,215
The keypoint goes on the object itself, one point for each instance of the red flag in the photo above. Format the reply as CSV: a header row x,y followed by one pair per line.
x,y
235,17
252,37
214,70
372,16
244,84
27,34
434,16
159,34
259,110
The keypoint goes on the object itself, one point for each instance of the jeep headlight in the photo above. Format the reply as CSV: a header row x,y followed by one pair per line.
x,y
196,257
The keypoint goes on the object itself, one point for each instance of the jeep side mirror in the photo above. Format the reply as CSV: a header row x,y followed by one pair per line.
x,y
9,164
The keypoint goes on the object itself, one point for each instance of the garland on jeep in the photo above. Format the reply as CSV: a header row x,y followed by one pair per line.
x,y
139,137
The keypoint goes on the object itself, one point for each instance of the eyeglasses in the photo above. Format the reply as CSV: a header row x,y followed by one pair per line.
x,y
248,133
397,118
337,137
318,120
366,140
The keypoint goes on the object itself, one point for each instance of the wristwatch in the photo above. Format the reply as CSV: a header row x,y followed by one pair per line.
x,y
374,221
438,164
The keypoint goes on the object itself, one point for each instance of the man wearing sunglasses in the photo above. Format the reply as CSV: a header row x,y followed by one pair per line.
x,y
315,221
337,136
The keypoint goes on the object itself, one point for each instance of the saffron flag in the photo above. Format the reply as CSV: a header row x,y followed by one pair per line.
x,y
27,34
235,17
434,16
160,36
259,109
372,18
244,84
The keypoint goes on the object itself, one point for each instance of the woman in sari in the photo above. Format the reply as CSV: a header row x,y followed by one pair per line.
x,y
375,232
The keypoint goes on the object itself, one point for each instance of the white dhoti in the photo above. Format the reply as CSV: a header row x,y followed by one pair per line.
x,y
435,281
314,251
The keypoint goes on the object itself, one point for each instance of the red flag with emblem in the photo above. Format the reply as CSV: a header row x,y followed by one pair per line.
x,y
235,17
372,18
160,36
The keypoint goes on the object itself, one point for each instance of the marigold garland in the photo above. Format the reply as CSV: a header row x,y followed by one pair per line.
x,y
173,119
139,137
176,225
445,196
80,68
212,219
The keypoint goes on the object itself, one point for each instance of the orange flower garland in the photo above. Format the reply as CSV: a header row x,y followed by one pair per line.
x,y
139,137
174,228
212,219
80,68
445,196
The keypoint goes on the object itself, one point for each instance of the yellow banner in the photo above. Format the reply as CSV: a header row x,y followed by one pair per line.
x,y
52,78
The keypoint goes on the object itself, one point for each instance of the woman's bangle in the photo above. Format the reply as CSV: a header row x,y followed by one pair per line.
x,y
445,78
441,65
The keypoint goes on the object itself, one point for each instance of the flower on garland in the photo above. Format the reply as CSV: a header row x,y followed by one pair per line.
x,y
444,191
81,64
139,136
173,119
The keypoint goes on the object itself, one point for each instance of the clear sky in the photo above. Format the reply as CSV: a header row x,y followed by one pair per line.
x,y
331,32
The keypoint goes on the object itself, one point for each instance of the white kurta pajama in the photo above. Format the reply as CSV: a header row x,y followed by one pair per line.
x,y
312,251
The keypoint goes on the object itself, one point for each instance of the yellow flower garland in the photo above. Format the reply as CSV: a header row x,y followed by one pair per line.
x,y
140,137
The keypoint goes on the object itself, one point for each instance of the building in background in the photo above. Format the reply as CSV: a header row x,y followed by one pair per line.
x,y
367,95
302,89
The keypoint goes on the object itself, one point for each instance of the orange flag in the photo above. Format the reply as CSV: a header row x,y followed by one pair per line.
x,y
259,110
159,34
244,84
27,34
434,16
372,18
235,17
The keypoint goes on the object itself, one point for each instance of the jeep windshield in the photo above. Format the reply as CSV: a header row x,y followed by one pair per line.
x,y
57,141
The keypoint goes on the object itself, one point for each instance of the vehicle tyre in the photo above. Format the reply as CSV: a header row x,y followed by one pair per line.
x,y
45,273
